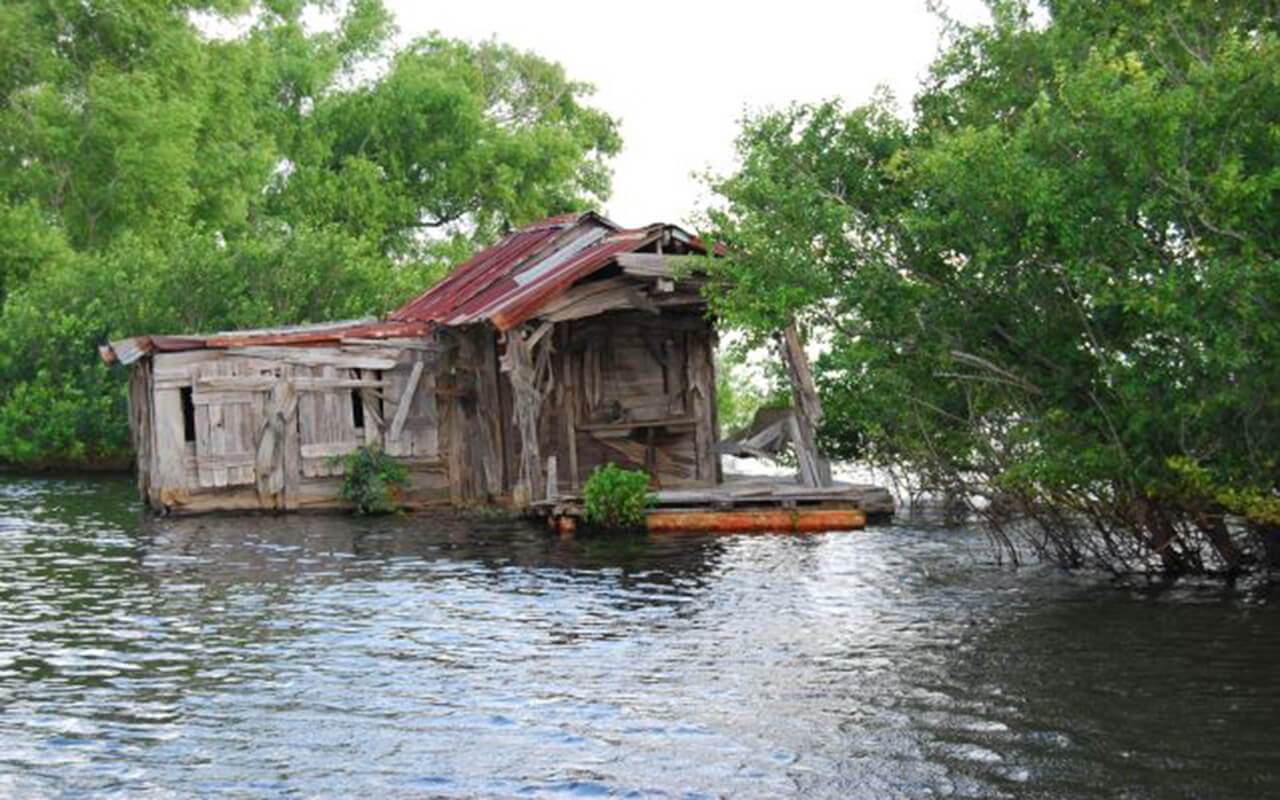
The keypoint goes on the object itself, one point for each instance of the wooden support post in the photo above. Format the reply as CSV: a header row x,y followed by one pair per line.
x,y
571,423
814,469
553,487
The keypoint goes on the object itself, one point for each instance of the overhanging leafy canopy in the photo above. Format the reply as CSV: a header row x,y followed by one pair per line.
x,y
1057,281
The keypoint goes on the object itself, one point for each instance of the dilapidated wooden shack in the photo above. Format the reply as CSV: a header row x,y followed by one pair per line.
x,y
569,344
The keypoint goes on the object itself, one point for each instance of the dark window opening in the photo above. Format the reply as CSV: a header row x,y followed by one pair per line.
x,y
357,409
188,415
378,377
357,406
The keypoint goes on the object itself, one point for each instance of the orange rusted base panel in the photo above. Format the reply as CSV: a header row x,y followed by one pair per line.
x,y
794,521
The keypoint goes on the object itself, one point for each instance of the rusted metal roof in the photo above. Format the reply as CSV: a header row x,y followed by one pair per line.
x,y
506,284
127,351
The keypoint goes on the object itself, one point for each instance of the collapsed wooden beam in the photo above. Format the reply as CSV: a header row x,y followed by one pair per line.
x,y
814,469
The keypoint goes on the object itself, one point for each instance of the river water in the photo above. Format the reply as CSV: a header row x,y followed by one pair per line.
x,y
432,656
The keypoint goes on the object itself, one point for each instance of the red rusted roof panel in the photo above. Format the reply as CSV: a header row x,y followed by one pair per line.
x,y
524,302
478,274
507,283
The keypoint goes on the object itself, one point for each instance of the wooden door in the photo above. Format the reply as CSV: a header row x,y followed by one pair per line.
x,y
229,400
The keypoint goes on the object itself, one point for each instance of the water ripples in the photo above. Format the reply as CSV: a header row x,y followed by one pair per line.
x,y
439,656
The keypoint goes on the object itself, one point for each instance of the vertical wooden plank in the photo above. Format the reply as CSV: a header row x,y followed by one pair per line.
x,y
701,396
336,419
494,428
329,420
712,341
503,406
427,436
553,479
373,423
218,441
372,427
239,438
219,417
255,415
306,413
292,445
449,406
148,421
203,444
139,428
572,377
170,459
467,446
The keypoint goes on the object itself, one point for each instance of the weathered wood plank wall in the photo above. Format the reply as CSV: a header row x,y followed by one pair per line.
x,y
259,428
470,423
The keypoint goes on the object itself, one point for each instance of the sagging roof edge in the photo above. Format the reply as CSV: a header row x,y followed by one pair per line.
x,y
130,350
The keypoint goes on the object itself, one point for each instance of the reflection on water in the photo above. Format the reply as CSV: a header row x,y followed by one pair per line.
x,y
439,656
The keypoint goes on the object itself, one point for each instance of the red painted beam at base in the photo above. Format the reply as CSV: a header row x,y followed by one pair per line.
x,y
782,521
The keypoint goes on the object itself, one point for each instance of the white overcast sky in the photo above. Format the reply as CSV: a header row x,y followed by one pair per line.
x,y
679,75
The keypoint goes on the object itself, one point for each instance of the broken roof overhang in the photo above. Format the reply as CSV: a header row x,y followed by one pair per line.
x,y
127,351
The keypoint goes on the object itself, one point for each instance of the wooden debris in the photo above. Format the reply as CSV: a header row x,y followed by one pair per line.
x,y
814,469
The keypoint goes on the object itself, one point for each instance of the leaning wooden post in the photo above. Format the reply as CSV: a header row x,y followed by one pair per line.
x,y
814,469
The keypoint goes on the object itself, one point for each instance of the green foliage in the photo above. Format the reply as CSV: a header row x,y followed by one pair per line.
x,y
737,394
158,179
372,480
616,497
1054,280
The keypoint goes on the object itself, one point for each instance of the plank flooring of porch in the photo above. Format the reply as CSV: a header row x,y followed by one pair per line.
x,y
739,491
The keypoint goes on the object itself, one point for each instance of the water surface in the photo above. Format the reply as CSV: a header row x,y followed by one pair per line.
x,y
435,656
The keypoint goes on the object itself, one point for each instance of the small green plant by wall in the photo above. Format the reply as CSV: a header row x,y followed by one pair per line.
x,y
616,498
373,481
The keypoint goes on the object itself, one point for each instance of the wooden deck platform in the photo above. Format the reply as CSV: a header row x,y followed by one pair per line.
x,y
753,503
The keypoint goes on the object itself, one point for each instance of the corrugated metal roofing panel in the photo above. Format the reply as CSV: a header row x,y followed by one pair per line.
x,y
524,302
125,351
508,282
560,256
481,271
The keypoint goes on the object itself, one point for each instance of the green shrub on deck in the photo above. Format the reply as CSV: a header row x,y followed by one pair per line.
x,y
372,480
616,497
